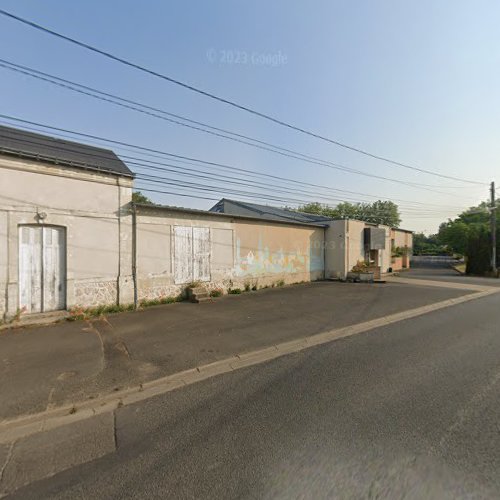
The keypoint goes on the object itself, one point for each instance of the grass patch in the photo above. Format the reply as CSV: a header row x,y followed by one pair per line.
x,y
217,292
79,313
235,291
460,268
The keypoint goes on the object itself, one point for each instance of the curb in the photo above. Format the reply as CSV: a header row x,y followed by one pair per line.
x,y
20,427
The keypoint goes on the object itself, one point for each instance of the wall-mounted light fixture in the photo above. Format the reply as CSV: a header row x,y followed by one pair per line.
x,y
41,216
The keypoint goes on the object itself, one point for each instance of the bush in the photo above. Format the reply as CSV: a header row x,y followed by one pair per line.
x,y
360,267
234,291
478,253
217,292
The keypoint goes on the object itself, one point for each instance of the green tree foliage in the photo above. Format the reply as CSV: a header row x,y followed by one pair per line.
x,y
455,235
428,245
478,251
138,197
470,235
378,212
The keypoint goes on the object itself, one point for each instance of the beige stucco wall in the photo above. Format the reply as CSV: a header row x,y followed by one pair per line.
x,y
356,249
402,239
355,243
155,263
92,208
266,252
242,252
336,242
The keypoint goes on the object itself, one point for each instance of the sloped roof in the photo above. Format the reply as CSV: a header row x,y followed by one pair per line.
x,y
267,212
211,213
16,142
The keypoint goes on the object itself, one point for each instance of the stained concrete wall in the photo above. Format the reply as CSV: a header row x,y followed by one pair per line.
x,y
336,244
266,252
355,246
402,239
155,255
256,252
93,209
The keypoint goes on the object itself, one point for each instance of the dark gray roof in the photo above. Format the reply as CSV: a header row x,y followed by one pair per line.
x,y
168,208
267,212
45,148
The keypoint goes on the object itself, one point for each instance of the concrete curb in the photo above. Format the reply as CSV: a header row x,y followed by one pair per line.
x,y
21,427
440,284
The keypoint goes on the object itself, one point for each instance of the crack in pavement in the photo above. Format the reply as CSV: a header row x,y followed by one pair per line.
x,y
4,466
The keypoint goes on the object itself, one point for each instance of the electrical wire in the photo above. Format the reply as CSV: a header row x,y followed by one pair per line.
x,y
219,132
227,101
94,155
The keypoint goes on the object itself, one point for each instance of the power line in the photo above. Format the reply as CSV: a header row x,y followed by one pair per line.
x,y
176,193
93,155
227,101
222,133
272,197
227,180
224,190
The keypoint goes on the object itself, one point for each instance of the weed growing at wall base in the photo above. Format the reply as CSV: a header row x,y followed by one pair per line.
x,y
79,313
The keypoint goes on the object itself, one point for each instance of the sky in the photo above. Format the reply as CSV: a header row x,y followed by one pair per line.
x,y
416,82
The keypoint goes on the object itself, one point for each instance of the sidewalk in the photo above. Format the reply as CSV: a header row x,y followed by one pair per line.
x,y
46,367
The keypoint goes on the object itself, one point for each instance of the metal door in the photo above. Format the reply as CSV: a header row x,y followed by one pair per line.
x,y
42,268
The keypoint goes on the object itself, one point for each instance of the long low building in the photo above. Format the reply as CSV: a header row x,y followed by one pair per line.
x,y
70,235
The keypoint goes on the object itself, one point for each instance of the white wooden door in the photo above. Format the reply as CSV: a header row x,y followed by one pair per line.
x,y
54,269
191,254
201,254
30,269
183,251
42,268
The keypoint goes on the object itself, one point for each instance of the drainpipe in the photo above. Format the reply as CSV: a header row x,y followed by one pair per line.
x,y
134,252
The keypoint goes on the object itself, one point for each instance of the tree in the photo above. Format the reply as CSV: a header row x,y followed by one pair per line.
x,y
470,235
138,197
378,212
428,245
455,235
478,252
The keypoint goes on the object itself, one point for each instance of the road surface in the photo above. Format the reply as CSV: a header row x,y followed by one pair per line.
x,y
411,410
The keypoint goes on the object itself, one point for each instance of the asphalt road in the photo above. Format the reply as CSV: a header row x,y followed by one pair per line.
x,y
411,410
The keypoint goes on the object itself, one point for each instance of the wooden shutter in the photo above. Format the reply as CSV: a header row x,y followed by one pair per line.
x,y
201,253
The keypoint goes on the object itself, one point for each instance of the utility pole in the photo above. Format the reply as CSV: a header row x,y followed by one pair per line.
x,y
493,222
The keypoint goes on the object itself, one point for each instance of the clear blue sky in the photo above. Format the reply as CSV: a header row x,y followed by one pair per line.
x,y
415,81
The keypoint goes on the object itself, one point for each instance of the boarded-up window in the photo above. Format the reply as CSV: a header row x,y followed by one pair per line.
x,y
191,254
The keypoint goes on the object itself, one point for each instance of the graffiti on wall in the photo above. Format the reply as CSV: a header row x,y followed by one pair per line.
x,y
262,261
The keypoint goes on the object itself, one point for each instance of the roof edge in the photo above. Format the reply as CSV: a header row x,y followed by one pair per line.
x,y
195,211
64,163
